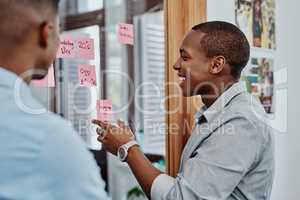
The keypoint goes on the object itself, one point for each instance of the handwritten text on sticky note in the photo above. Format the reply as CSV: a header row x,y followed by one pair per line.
x,y
87,75
67,47
104,110
86,49
48,81
125,33
80,47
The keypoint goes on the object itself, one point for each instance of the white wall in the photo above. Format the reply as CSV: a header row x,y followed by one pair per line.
x,y
287,177
287,180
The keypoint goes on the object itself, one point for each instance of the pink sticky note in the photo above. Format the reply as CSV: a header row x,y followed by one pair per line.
x,y
87,75
67,47
125,33
48,81
86,48
104,110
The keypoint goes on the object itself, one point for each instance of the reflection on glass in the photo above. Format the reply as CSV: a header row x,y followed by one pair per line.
x,y
89,5
78,104
117,83
133,79
135,83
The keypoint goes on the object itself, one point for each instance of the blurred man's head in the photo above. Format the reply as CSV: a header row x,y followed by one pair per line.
x,y
29,33
211,53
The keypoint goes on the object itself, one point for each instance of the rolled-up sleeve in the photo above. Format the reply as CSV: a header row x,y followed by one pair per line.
x,y
216,167
161,186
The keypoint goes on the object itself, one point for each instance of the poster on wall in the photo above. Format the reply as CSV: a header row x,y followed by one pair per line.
x,y
256,18
259,79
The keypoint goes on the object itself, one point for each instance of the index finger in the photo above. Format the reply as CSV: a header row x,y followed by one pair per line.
x,y
100,123
121,124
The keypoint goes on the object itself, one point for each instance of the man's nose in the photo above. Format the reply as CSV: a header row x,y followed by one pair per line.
x,y
177,66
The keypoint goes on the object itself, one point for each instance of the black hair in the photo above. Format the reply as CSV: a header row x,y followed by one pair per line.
x,y
225,39
14,7
15,20
54,4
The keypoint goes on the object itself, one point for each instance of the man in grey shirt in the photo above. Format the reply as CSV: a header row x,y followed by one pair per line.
x,y
41,156
230,154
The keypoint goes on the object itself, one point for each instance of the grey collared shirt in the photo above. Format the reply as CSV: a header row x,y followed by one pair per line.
x,y
230,154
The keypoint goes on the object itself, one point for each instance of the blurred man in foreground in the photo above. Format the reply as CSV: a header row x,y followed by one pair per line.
x,y
41,156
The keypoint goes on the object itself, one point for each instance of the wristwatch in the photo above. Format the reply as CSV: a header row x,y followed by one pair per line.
x,y
123,150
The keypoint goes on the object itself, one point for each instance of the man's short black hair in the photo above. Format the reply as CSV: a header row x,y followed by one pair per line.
x,y
225,39
53,3
16,18
35,4
40,3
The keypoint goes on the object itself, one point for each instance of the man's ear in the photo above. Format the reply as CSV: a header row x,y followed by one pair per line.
x,y
217,64
46,29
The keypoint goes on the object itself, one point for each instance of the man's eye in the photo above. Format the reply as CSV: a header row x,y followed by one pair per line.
x,y
184,58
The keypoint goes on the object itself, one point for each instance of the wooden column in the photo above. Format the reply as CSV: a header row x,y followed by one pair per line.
x,y
180,17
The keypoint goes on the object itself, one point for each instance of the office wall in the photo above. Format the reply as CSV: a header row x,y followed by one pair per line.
x,y
287,182
287,177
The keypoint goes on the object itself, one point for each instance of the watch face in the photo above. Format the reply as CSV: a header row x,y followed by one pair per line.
x,y
122,153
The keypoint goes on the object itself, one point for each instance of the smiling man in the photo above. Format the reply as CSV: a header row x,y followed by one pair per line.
x,y
230,153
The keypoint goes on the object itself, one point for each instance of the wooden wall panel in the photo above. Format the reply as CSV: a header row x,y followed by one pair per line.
x,y
180,17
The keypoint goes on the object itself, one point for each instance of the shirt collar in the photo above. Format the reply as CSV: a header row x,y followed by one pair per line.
x,y
199,115
9,79
211,112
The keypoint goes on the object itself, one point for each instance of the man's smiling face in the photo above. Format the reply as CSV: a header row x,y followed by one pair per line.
x,y
193,66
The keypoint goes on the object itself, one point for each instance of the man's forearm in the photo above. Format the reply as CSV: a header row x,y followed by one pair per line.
x,y
142,168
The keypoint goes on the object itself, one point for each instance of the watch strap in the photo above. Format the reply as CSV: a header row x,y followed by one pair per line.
x,y
130,144
126,147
